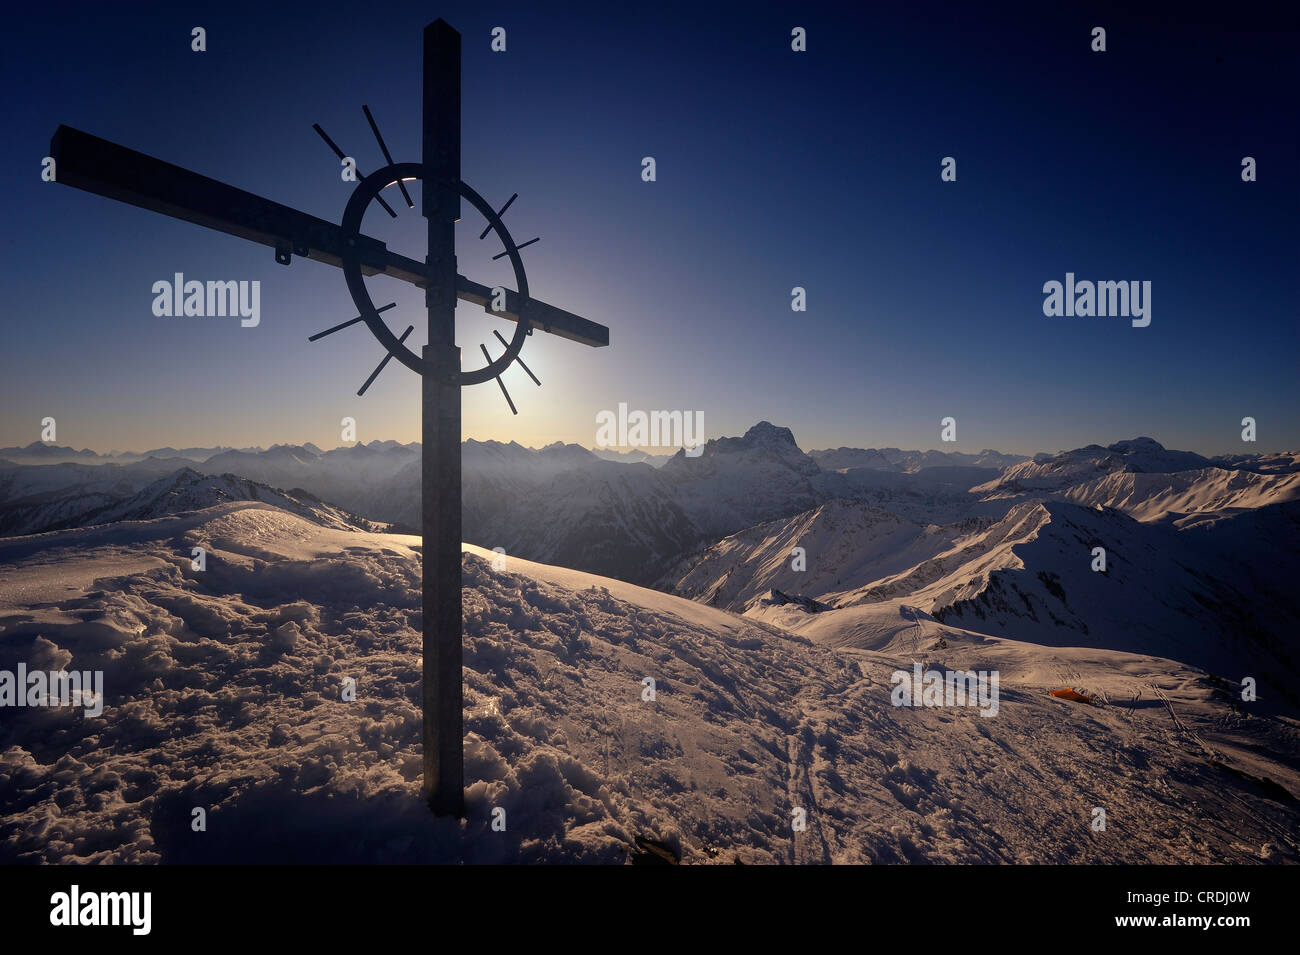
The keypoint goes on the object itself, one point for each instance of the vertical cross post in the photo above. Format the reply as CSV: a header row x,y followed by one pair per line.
x,y
444,764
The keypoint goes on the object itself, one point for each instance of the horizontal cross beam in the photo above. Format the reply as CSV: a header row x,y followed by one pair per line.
x,y
540,315
116,172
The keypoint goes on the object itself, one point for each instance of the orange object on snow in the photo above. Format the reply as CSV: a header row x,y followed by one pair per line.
x,y
1068,693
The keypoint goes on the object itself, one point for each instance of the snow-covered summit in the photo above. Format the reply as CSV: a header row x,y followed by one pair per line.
x,y
1057,471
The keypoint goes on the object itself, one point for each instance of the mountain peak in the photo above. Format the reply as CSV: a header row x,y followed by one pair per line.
x,y
1145,445
560,450
767,433
764,442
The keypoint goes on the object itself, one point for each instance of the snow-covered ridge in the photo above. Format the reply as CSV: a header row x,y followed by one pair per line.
x,y
83,504
1214,590
1048,472
1174,496
844,544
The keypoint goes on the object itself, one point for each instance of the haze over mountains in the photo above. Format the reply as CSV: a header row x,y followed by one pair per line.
x,y
629,519
892,459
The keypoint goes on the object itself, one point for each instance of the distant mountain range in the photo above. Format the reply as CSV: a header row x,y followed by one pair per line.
x,y
628,518
909,462
1202,551
40,453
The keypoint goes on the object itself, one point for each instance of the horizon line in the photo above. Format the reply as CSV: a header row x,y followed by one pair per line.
x,y
649,450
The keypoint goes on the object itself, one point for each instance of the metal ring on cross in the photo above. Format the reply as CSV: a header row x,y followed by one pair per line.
x,y
367,189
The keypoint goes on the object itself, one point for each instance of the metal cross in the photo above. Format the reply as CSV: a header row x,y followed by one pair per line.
x,y
107,169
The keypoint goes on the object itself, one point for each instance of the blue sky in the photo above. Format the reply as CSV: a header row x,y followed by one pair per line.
x,y
775,169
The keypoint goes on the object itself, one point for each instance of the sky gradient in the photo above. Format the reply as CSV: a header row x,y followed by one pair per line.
x,y
775,169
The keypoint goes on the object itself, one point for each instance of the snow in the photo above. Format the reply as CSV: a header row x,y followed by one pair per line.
x,y
1050,472
39,499
1174,496
845,544
223,692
